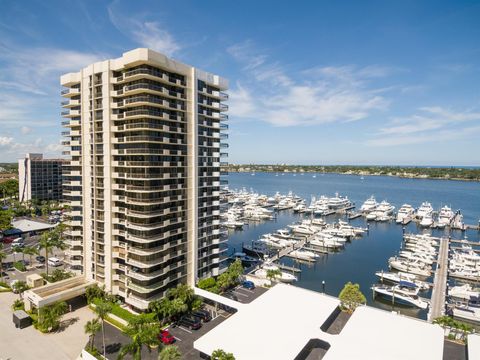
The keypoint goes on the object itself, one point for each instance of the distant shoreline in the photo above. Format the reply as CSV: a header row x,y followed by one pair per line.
x,y
430,173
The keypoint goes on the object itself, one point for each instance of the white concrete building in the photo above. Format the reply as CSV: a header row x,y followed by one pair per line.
x,y
39,178
143,180
288,322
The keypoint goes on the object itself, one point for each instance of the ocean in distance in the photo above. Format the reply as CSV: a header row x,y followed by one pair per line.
x,y
361,258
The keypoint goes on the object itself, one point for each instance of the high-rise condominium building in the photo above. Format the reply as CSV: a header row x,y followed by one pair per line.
x,y
39,178
143,179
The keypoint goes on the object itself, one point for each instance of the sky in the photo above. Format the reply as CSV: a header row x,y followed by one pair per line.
x,y
311,82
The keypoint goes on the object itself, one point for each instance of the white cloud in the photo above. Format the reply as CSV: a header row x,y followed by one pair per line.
x,y
314,96
5,141
147,33
432,124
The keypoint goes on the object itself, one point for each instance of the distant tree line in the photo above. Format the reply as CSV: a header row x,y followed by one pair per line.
x,y
454,173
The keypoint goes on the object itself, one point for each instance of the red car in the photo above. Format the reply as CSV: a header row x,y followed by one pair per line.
x,y
165,337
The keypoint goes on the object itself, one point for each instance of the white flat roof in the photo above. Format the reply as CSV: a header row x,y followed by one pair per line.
x,y
25,225
473,346
276,325
372,334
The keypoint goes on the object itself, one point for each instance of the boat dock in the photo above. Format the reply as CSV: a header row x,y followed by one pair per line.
x,y
437,303
316,250
289,268
285,251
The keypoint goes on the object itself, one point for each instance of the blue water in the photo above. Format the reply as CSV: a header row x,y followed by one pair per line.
x,y
363,256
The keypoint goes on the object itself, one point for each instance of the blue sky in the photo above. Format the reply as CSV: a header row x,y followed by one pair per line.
x,y
312,82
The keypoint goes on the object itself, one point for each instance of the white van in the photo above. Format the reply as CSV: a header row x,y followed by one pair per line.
x,y
53,261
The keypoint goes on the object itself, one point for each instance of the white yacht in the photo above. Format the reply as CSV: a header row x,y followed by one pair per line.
x,y
396,277
284,276
338,202
424,210
369,205
404,213
466,312
385,208
426,259
403,293
283,233
412,267
426,221
371,216
445,216
302,229
465,293
303,255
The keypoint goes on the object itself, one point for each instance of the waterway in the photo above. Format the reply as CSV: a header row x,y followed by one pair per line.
x,y
361,258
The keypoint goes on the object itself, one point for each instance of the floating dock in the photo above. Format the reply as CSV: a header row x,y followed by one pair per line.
x,y
289,268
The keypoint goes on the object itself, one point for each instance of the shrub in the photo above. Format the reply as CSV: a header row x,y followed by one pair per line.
x,y
351,297
18,305
20,266
94,292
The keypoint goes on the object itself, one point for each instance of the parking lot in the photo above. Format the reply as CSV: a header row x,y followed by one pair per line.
x,y
184,337
243,295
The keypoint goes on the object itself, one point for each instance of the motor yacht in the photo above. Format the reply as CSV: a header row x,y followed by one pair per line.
x,y
397,277
385,208
303,255
338,202
466,312
283,277
412,267
369,205
445,216
426,221
425,209
247,260
465,293
404,293
404,213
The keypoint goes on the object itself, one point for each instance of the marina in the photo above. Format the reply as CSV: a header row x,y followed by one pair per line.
x,y
360,258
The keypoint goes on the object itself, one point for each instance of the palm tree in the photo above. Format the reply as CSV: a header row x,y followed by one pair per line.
x,y
91,328
30,251
273,273
142,331
3,256
220,354
52,239
170,352
49,316
19,287
102,309
163,308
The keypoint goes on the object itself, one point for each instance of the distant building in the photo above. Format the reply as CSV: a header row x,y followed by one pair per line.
x,y
39,178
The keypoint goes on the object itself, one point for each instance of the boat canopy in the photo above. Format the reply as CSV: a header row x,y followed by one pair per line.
x,y
407,284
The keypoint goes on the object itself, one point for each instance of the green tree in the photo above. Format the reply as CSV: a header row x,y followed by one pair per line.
x,y
49,316
6,217
163,308
184,293
20,287
142,331
94,292
30,251
3,256
351,297
52,239
209,284
220,354
170,352
102,309
91,328
272,274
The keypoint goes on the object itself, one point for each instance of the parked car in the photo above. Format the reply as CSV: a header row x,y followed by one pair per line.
x,y
247,284
53,261
191,323
40,259
203,315
18,242
165,337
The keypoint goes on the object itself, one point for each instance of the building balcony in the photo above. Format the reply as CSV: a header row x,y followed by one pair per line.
x,y
70,92
136,302
71,103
